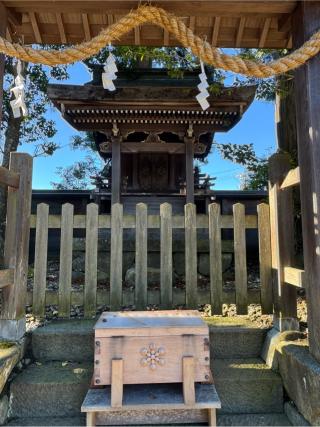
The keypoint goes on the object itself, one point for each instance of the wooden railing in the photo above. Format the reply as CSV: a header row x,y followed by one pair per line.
x,y
167,296
13,279
286,277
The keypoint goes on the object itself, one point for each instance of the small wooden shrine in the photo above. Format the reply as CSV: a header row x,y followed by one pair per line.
x,y
150,131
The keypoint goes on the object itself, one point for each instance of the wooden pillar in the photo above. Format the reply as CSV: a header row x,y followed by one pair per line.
x,y
282,243
3,27
135,167
116,170
12,323
305,22
189,143
172,178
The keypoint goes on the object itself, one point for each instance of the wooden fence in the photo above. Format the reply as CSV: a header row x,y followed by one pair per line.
x,y
167,296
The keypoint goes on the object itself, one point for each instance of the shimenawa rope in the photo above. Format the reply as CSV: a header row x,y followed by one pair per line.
x,y
155,15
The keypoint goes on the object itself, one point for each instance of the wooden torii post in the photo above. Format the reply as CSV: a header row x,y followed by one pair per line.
x,y
307,88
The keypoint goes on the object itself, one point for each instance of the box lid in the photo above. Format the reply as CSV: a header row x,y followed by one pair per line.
x,y
148,323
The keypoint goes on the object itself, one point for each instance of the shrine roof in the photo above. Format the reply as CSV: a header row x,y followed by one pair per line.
x,y
224,23
150,101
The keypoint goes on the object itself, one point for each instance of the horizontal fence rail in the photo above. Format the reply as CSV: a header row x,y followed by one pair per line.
x,y
167,295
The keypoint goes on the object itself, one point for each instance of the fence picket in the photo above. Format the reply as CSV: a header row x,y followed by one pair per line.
x,y
191,255
166,255
116,256
265,258
240,258
40,261
65,273
215,258
91,260
141,265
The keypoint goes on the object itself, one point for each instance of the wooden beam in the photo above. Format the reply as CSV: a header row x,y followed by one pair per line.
x,y
282,243
240,31
284,23
305,23
137,39
110,19
150,147
215,30
35,27
264,32
14,17
188,369
166,38
116,383
291,179
61,28
116,171
192,22
86,26
182,8
9,178
8,34
6,277
3,28
294,276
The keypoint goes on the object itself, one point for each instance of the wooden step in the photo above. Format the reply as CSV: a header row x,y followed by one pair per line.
x,y
152,404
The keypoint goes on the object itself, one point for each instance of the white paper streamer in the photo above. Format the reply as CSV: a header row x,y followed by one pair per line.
x,y
18,105
110,70
203,86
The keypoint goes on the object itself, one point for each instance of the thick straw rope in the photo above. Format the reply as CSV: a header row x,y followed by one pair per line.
x,y
209,54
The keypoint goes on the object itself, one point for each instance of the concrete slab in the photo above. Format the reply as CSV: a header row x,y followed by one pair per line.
x,y
247,386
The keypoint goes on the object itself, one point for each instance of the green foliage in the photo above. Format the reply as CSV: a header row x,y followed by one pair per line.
x,y
266,88
36,128
78,175
256,175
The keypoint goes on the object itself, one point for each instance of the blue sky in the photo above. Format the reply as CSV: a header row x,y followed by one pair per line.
x,y
256,127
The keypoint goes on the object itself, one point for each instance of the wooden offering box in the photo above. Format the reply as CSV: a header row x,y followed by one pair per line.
x,y
152,347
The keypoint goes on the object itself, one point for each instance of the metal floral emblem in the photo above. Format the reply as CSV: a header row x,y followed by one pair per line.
x,y
152,356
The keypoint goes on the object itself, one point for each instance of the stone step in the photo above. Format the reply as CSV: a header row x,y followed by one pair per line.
x,y
48,421
64,340
253,420
247,386
50,390
244,386
222,420
73,339
235,337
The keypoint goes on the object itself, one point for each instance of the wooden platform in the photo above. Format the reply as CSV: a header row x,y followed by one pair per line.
x,y
151,404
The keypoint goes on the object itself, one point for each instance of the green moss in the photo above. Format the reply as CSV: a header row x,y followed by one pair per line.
x,y
6,344
241,322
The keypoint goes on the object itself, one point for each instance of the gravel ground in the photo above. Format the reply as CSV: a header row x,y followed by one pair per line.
x,y
229,310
